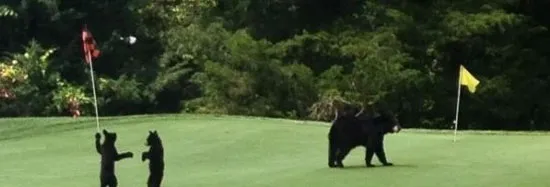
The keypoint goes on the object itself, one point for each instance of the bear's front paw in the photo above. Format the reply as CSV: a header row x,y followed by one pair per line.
x,y
370,165
131,155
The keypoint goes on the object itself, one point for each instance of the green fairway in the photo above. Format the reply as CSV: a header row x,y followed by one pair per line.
x,y
236,151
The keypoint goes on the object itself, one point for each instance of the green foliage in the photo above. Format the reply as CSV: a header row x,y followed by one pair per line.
x,y
235,86
124,95
464,25
11,74
174,13
123,88
327,106
187,47
295,59
33,66
253,81
66,93
35,60
6,11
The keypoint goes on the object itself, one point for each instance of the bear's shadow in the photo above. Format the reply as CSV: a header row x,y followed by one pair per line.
x,y
378,166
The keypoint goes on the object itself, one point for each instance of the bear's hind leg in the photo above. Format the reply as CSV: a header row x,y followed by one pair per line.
x,y
113,182
103,181
332,150
154,181
344,151
369,153
159,181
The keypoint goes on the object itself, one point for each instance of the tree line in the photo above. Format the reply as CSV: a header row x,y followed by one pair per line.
x,y
293,59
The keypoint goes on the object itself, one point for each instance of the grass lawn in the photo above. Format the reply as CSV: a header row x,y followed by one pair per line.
x,y
237,151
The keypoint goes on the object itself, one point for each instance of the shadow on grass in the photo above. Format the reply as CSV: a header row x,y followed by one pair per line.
x,y
354,167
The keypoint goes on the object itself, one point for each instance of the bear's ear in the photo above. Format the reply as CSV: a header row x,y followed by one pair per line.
x,y
150,132
155,132
105,132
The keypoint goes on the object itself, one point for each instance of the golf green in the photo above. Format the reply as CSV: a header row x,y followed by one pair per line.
x,y
203,150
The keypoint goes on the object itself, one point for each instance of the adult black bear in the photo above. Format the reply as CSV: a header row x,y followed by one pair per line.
x,y
156,159
109,156
351,129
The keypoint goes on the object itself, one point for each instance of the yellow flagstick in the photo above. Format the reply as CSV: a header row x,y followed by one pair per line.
x,y
466,79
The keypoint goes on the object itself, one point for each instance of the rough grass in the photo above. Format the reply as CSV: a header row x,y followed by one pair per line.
x,y
204,150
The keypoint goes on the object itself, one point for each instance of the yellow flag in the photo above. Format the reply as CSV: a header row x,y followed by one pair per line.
x,y
468,79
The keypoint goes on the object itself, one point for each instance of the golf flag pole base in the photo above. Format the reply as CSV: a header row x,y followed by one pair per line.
x,y
95,96
455,130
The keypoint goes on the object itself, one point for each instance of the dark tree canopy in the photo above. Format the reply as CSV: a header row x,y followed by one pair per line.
x,y
293,59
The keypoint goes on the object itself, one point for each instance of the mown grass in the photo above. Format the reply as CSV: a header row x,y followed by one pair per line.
x,y
205,150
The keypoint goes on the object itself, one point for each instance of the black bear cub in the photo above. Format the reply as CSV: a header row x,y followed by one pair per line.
x,y
109,155
156,159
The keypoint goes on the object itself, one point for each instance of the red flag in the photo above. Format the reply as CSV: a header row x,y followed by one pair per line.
x,y
89,45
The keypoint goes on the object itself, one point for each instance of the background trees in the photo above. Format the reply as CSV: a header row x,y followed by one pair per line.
x,y
282,58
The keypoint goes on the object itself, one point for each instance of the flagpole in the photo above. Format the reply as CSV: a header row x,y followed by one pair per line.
x,y
93,89
88,57
457,104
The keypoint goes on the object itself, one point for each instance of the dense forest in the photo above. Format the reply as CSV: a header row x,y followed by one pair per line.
x,y
291,59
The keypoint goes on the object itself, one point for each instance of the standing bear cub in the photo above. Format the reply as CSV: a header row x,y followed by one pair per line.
x,y
156,159
109,155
